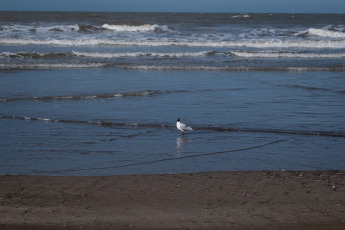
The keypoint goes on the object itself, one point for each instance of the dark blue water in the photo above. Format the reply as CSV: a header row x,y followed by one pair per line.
x,y
99,94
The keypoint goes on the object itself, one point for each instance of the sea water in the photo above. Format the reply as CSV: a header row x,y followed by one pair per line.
x,y
99,93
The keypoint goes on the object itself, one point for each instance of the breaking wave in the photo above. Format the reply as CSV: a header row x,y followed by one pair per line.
x,y
245,54
214,129
325,33
35,55
83,28
40,29
272,54
139,54
254,43
11,66
243,15
132,28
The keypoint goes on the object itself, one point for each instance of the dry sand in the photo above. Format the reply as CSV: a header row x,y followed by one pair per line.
x,y
214,200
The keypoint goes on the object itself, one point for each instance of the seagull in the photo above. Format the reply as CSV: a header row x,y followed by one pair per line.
x,y
181,126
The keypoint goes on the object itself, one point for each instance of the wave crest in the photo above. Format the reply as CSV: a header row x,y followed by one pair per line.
x,y
131,28
142,93
41,29
32,55
35,55
214,129
271,54
255,43
325,33
242,54
243,15
139,54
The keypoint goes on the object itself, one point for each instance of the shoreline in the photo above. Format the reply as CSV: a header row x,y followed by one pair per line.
x,y
300,200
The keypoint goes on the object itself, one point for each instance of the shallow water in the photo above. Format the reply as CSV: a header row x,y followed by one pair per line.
x,y
59,124
99,93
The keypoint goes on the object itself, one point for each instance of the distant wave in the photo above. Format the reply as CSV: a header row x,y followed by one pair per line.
x,y
139,54
254,43
57,42
243,15
83,28
142,93
132,28
164,67
251,54
271,54
214,129
40,29
35,55
312,88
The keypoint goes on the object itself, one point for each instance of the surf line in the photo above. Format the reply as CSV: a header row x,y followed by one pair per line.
x,y
209,128
274,131
143,93
164,159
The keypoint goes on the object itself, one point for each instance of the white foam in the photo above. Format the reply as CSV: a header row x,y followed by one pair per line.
x,y
62,42
241,16
41,29
58,28
254,43
162,67
6,54
63,97
107,55
131,28
25,29
43,119
21,54
139,54
287,55
326,33
274,43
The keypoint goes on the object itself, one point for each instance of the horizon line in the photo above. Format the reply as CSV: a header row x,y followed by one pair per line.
x,y
170,12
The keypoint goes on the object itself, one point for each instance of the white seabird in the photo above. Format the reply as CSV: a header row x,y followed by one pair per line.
x,y
181,126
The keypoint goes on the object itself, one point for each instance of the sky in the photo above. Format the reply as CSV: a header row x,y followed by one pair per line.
x,y
213,6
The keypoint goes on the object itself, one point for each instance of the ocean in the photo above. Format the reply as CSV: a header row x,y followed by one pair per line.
x,y
99,93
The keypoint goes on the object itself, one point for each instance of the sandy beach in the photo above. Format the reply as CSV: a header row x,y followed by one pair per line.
x,y
212,200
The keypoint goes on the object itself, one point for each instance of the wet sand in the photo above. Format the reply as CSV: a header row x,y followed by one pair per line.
x,y
212,200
